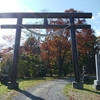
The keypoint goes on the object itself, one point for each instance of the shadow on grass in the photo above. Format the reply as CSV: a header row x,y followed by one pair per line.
x,y
27,94
97,92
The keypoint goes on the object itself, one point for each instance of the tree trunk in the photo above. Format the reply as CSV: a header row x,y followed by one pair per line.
x,y
50,71
60,66
49,68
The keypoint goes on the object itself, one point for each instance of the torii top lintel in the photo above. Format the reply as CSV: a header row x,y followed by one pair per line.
x,y
45,15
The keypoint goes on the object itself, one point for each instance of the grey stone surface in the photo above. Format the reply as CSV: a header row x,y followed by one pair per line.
x,y
77,85
97,87
97,81
52,90
13,85
97,61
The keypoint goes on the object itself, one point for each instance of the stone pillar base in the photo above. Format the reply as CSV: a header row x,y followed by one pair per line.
x,y
96,84
13,85
77,85
97,87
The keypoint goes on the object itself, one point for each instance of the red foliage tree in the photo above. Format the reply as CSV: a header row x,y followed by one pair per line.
x,y
59,46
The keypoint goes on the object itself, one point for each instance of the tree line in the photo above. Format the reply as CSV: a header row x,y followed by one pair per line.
x,y
53,56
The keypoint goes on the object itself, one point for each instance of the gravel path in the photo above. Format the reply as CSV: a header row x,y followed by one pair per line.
x,y
52,90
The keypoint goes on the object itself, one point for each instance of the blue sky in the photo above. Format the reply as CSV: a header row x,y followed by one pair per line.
x,y
55,6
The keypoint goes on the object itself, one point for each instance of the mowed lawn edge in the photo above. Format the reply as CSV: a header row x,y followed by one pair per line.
x,y
87,93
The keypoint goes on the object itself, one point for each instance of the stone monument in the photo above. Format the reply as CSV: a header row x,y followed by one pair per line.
x,y
85,79
5,76
97,62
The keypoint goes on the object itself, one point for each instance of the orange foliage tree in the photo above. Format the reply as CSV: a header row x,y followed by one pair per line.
x,y
86,52
58,47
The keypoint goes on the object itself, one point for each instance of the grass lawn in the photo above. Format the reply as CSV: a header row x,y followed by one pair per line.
x,y
88,93
23,85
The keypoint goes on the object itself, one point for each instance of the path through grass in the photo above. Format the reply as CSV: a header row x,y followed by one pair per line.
x,y
23,85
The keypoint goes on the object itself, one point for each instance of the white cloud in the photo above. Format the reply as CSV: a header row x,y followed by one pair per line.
x,y
96,16
29,10
96,21
93,17
8,6
97,31
98,13
8,21
94,27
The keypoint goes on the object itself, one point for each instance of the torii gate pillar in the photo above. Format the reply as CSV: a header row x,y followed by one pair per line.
x,y
13,84
76,84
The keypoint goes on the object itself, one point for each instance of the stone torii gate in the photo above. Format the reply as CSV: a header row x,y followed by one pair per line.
x,y
20,16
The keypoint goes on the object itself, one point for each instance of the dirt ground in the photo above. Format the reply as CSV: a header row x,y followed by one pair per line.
x,y
52,90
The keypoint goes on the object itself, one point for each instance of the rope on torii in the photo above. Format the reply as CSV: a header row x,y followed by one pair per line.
x,y
54,33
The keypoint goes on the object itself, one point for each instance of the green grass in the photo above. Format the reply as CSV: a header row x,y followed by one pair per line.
x,y
23,85
88,93
4,91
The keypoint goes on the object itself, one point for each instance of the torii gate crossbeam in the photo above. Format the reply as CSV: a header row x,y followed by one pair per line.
x,y
13,84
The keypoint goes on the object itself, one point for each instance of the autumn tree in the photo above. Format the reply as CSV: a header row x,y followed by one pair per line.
x,y
56,49
60,43
85,42
30,63
45,55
